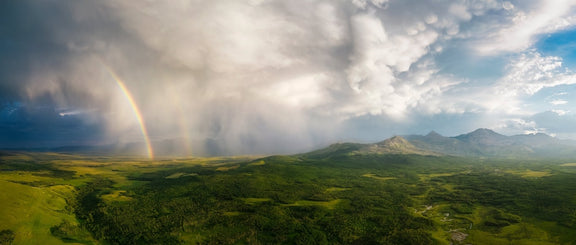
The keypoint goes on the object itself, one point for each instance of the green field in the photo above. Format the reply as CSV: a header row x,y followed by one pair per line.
x,y
354,199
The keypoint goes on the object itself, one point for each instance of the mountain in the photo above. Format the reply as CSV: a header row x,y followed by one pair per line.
x,y
487,143
479,143
546,145
394,145
483,136
437,143
335,150
535,140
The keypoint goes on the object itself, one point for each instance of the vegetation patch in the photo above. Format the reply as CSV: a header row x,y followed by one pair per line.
x,y
6,236
71,232
329,204
253,200
29,212
337,189
258,163
227,168
116,196
374,176
426,177
180,175
530,173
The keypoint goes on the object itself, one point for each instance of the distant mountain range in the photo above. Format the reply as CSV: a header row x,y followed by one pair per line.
x,y
479,143
485,142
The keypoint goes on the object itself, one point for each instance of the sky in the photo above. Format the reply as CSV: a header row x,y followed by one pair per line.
x,y
274,76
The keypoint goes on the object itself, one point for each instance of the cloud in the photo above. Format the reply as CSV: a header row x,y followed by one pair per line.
x,y
269,76
558,122
42,127
513,94
524,23
530,72
377,58
518,126
558,102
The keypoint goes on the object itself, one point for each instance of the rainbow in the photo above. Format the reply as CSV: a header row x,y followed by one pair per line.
x,y
135,109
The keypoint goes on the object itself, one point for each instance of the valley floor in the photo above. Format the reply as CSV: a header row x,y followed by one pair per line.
x,y
49,198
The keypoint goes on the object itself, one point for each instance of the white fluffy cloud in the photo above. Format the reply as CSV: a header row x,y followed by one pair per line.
x,y
525,23
558,102
530,72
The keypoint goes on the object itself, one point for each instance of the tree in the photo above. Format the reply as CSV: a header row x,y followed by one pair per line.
x,y
6,237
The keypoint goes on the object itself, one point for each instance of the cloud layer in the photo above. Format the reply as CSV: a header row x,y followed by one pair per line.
x,y
267,76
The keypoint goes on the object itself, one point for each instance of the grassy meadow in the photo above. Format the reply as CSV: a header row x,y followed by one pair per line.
x,y
50,198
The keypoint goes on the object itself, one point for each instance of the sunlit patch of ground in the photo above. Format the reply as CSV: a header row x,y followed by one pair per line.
x,y
87,170
31,211
180,175
335,189
253,200
84,163
232,213
470,228
227,168
24,177
519,234
257,163
426,177
572,164
329,204
116,196
449,187
529,173
374,176
17,157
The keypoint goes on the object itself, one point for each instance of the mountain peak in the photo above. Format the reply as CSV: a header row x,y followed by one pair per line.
x,y
483,136
396,141
433,134
484,131
397,145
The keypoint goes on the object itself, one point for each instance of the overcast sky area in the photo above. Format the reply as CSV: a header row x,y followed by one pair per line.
x,y
276,76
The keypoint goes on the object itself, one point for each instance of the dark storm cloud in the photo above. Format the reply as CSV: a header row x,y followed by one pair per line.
x,y
37,37
31,39
42,127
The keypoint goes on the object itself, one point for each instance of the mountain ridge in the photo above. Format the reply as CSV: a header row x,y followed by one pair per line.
x,y
485,142
481,142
